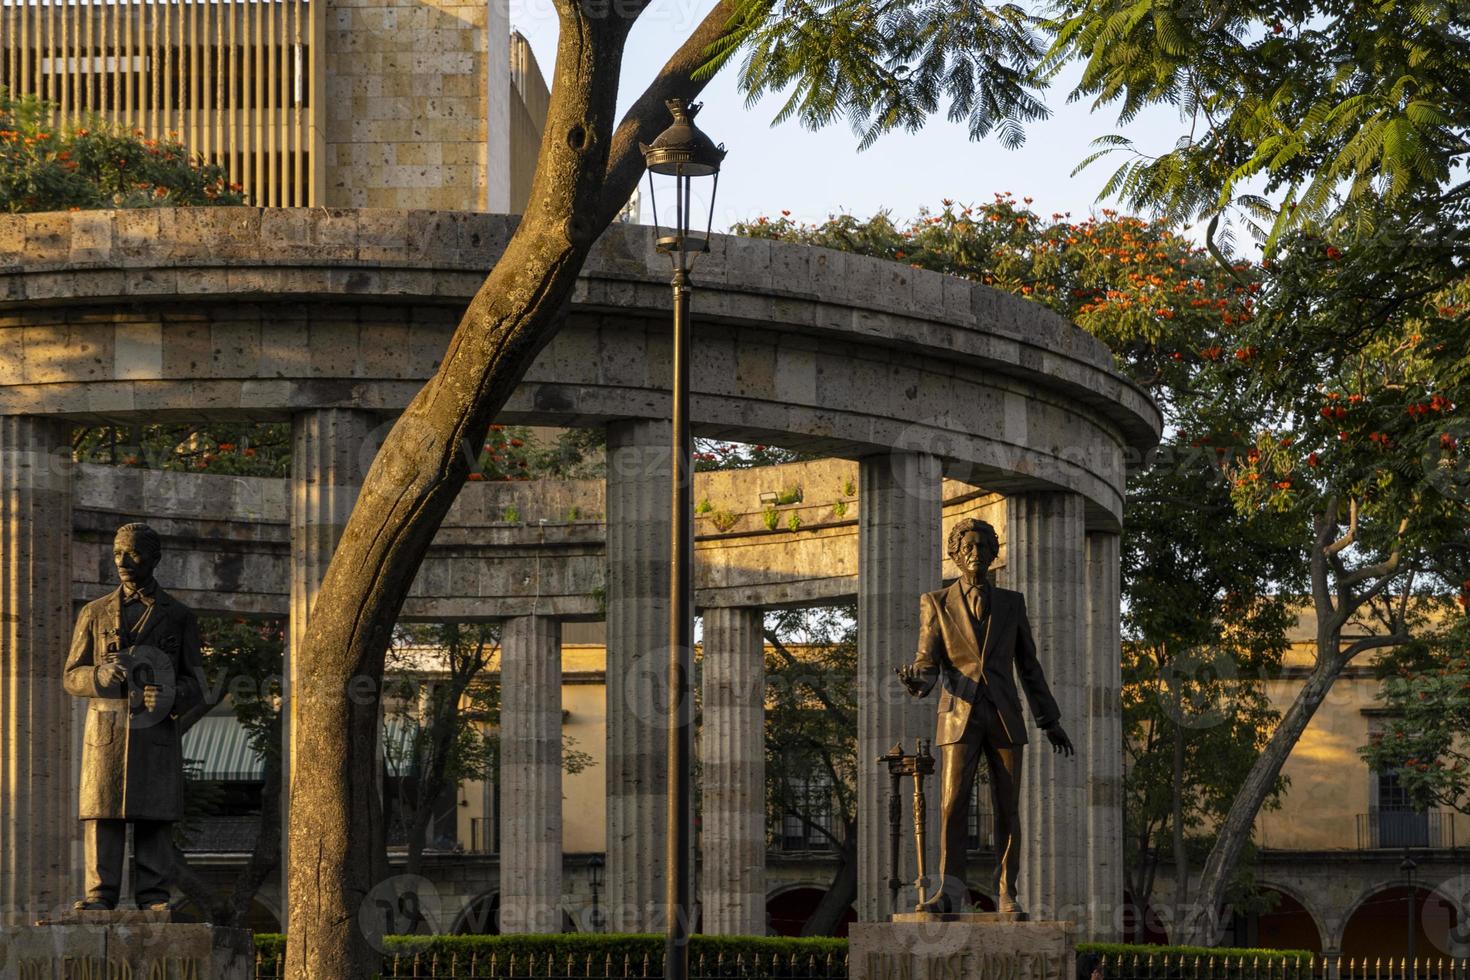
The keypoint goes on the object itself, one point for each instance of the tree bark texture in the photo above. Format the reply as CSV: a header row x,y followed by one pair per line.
x,y
584,174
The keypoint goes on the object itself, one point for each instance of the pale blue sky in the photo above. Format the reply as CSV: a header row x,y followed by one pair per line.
x,y
817,174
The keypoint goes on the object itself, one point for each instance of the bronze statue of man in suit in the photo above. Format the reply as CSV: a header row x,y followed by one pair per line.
x,y
135,657
974,639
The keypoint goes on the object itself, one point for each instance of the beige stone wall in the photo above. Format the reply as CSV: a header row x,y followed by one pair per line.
x,y
1330,782
529,101
405,113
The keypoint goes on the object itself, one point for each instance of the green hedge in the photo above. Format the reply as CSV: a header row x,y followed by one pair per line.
x,y
1123,961
579,946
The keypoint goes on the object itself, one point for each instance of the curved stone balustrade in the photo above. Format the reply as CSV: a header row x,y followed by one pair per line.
x,y
215,312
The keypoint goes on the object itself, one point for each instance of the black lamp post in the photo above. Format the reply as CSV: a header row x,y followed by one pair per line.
x,y
684,154
594,875
1408,867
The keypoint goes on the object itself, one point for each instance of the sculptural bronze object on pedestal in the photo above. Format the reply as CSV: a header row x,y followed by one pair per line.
x,y
974,639
135,658
920,766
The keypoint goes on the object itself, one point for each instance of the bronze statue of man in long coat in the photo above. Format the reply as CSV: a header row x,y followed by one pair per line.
x,y
974,638
135,657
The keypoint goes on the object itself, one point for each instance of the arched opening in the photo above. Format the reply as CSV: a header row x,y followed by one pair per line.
x,y
481,917
788,911
1379,926
1285,923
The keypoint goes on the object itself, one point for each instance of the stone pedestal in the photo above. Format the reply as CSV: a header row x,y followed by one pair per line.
x,y
961,947
126,946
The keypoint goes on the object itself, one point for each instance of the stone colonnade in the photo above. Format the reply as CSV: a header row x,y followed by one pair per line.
x,y
1069,575
38,810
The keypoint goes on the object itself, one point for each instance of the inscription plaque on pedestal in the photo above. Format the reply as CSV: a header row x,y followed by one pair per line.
x,y
961,947
125,946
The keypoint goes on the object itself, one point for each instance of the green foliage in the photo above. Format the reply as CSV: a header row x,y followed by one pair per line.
x,y
724,520
770,518
1159,302
244,659
599,947
1329,105
887,67
788,495
839,509
44,167
849,489
704,506
1427,691
1250,961
715,454
811,718
511,515
243,449
793,523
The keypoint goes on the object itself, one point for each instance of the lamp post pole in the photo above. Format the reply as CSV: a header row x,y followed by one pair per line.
x,y
683,153
681,642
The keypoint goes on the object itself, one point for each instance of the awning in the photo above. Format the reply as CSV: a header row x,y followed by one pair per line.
x,y
221,747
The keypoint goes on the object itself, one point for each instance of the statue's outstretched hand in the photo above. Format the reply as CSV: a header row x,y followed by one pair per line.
x,y
1059,740
912,676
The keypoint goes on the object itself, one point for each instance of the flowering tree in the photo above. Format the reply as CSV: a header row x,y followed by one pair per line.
x,y
45,168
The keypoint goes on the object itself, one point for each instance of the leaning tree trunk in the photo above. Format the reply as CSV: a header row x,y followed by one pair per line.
x,y
1201,923
407,491
335,811
840,895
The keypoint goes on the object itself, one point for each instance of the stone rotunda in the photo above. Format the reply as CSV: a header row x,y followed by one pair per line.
x,y
945,397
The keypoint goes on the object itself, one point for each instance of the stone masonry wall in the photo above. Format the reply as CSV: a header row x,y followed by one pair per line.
x,y
405,109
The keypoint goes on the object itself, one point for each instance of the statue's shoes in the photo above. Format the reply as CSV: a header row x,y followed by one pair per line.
x,y
155,907
85,906
1010,906
938,905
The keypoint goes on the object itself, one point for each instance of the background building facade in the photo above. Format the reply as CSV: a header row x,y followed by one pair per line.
x,y
304,103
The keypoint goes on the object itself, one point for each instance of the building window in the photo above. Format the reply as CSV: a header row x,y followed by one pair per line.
x,y
808,821
981,820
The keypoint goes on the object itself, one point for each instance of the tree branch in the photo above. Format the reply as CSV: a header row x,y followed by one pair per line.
x,y
1352,532
648,116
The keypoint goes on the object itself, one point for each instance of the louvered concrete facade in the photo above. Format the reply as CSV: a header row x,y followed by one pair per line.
x,y
335,103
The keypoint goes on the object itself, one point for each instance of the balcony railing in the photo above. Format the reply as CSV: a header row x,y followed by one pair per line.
x,y
1405,828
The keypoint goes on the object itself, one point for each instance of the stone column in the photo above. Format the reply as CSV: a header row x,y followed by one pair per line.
x,y
530,775
1046,562
38,817
732,754
329,458
638,546
1104,751
899,549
